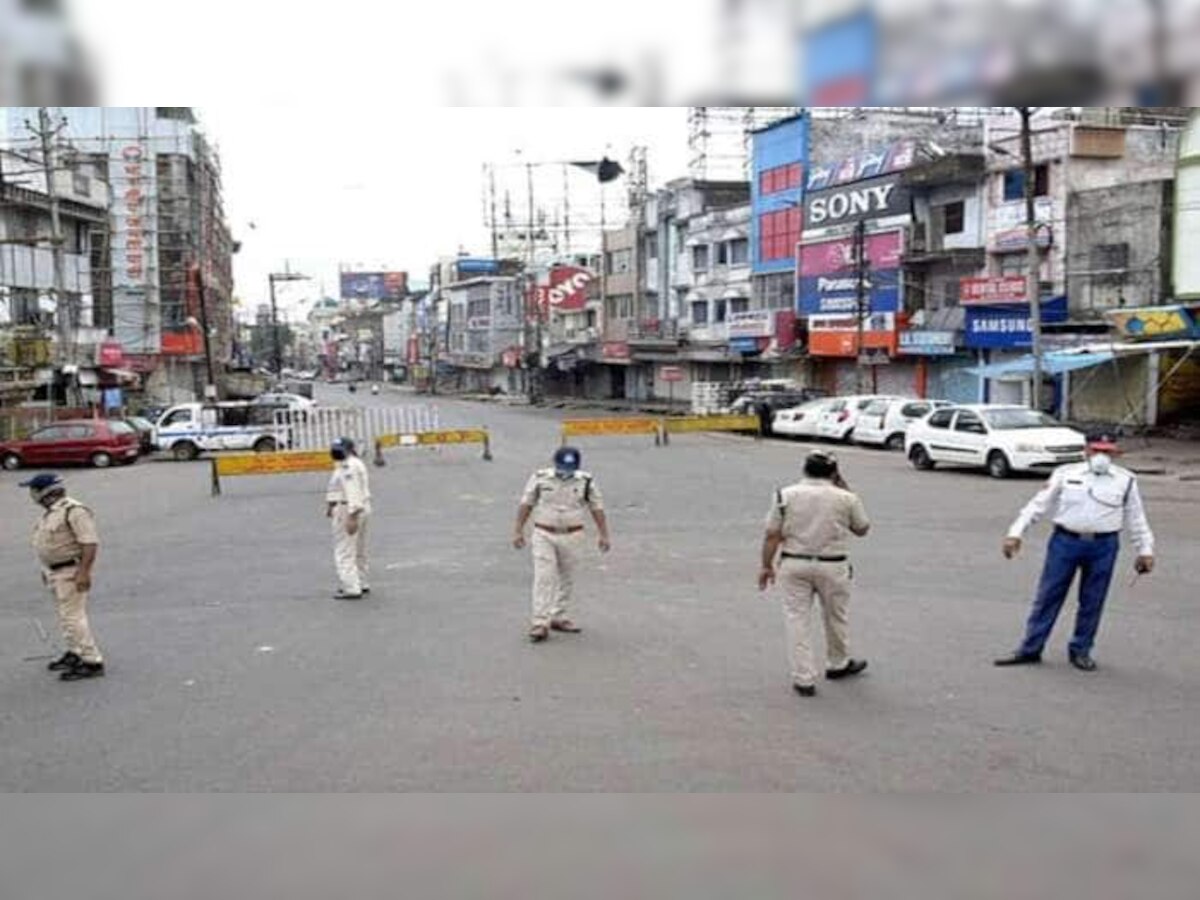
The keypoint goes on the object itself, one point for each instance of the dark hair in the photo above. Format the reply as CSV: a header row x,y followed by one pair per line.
x,y
820,465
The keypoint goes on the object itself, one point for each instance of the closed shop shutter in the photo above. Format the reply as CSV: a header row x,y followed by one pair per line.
x,y
950,380
898,378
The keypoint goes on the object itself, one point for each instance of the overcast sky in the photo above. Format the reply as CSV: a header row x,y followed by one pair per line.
x,y
315,187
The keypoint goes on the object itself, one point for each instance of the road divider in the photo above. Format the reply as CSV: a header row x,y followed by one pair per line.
x,y
434,439
572,428
693,424
287,462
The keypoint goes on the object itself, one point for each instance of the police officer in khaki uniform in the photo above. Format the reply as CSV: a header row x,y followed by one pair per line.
x,y
556,499
66,543
348,506
810,522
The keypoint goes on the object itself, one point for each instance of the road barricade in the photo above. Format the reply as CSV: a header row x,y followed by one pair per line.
x,y
693,424
287,462
572,428
434,439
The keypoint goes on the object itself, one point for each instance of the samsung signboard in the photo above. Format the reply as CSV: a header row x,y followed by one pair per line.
x,y
1008,327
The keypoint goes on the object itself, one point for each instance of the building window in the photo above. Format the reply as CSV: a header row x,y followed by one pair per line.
x,y
700,258
619,262
954,217
733,253
720,311
1013,264
950,293
652,245
778,234
779,178
700,312
1014,183
738,305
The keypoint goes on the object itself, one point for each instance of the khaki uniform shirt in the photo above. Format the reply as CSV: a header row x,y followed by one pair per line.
x,y
350,484
816,518
561,502
61,532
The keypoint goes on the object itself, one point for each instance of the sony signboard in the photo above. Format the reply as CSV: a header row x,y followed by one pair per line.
x,y
874,198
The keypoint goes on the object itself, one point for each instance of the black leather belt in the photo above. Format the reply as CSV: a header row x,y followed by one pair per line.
x,y
809,558
569,529
58,567
1095,536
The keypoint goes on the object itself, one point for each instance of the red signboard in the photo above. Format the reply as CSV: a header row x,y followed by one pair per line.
x,y
183,342
991,290
511,358
567,290
614,350
836,256
111,355
670,373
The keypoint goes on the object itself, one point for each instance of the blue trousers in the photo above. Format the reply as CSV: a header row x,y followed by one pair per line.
x,y
1094,560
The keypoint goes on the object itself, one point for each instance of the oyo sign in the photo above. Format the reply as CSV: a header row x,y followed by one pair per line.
x,y
876,198
568,288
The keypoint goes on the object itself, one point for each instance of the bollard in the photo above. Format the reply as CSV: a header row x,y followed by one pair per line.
x,y
487,447
216,478
379,460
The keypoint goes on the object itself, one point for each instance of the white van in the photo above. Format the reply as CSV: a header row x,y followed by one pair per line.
x,y
188,429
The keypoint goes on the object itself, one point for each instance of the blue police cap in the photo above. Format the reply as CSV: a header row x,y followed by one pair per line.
x,y
567,458
345,444
42,481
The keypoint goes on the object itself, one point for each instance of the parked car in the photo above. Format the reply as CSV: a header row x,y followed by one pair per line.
x,y
840,417
145,433
765,404
800,421
883,422
283,400
96,442
1002,439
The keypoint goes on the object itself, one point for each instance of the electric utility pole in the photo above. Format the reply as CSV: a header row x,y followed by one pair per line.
x,y
47,133
1033,257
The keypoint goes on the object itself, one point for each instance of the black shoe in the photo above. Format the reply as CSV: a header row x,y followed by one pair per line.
x,y
1083,662
366,591
342,595
1019,659
68,660
851,668
82,670
805,690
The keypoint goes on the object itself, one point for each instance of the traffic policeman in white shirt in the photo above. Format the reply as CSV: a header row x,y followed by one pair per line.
x,y
1090,503
556,499
348,506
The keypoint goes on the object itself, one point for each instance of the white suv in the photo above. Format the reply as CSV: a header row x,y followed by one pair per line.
x,y
1002,439
884,421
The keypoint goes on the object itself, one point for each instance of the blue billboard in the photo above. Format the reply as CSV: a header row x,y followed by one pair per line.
x,y
373,285
1008,327
824,294
777,194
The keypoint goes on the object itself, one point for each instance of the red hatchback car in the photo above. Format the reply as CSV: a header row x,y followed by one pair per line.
x,y
94,441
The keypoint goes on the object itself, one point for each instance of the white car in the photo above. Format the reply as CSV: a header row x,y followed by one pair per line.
x,y
293,402
840,416
1001,439
800,421
883,422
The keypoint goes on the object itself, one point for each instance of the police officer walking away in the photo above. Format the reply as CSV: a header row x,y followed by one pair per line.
x,y
348,506
66,543
556,498
1090,503
810,522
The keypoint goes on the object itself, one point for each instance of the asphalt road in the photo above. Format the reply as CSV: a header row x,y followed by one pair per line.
x,y
231,668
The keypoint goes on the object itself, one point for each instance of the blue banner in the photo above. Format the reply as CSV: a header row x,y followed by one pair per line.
x,y
838,293
1008,327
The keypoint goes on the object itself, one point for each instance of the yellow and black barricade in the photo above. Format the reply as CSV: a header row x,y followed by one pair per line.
x,y
612,427
287,462
434,439
694,424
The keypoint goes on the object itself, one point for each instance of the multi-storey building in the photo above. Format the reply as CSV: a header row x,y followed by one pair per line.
x,y
168,241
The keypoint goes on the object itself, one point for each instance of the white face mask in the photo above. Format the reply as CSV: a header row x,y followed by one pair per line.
x,y
1100,463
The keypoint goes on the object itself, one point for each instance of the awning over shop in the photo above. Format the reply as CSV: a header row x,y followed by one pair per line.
x,y
1052,364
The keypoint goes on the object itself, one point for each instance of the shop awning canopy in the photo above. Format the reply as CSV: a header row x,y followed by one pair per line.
x,y
1052,364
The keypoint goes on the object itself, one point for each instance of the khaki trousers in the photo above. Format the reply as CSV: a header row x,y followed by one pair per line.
x,y
555,557
350,551
71,604
801,581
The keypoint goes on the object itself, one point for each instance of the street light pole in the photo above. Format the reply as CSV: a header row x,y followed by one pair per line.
x,y
1033,257
276,343
861,306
